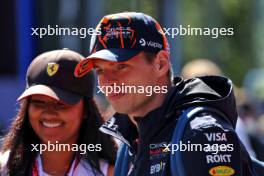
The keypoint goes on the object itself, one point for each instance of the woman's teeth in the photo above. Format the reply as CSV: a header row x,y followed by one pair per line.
x,y
51,124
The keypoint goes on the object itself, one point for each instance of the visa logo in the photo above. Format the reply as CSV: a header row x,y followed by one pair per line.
x,y
216,136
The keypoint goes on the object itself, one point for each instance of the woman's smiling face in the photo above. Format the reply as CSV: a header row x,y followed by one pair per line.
x,y
55,121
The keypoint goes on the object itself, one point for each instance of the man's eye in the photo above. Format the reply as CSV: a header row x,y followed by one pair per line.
x,y
121,66
99,71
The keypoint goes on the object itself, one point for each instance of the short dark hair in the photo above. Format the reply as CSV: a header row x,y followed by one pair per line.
x,y
151,56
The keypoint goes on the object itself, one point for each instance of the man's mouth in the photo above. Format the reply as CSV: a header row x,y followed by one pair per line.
x,y
114,96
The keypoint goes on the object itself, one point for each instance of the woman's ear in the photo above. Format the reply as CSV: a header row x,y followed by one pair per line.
x,y
84,113
162,63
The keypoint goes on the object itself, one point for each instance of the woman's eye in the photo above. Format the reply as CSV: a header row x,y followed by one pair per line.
x,y
121,66
43,104
38,102
61,105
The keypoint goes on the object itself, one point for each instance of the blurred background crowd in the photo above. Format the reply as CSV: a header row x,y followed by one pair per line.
x,y
239,57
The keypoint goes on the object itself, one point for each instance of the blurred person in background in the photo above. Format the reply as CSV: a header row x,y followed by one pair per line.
x,y
260,126
250,123
57,108
200,67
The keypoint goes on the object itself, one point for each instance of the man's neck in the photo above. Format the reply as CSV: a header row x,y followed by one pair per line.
x,y
155,103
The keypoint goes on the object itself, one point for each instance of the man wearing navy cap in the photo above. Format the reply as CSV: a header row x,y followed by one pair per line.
x,y
132,50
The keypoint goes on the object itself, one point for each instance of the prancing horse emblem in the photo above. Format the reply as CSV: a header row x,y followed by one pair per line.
x,y
52,68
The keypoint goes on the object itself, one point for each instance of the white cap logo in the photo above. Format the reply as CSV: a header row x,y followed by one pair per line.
x,y
142,42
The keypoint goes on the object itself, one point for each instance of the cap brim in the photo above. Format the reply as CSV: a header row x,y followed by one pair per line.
x,y
111,55
114,54
52,92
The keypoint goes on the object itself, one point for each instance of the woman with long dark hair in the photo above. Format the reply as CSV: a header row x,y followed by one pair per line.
x,y
56,129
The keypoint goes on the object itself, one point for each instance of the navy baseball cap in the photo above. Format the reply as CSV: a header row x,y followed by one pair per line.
x,y
121,36
52,74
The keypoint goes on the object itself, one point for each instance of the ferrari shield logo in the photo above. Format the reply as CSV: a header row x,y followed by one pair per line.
x,y
52,68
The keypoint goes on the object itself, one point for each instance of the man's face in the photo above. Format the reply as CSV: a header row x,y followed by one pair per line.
x,y
135,72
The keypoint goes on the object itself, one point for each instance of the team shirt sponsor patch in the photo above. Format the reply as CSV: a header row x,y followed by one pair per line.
x,y
221,171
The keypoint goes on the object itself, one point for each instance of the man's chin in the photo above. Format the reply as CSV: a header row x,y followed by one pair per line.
x,y
120,110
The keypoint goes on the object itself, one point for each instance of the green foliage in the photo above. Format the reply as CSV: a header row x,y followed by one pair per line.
x,y
146,6
234,54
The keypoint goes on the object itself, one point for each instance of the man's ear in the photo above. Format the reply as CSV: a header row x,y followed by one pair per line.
x,y
162,63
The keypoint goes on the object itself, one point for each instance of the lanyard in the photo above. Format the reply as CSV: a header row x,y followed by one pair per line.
x,y
37,169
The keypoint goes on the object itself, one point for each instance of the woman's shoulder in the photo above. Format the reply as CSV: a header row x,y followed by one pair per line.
x,y
4,157
104,166
3,161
